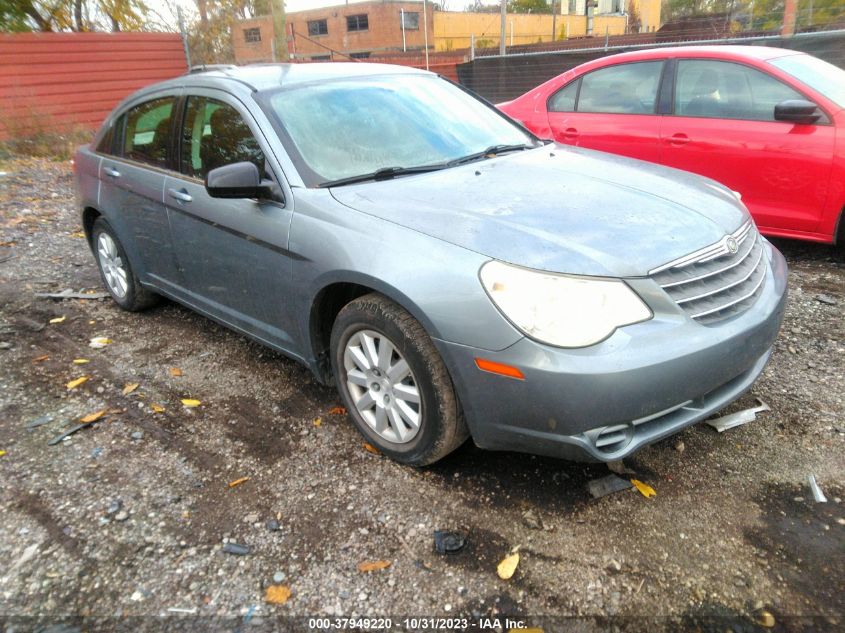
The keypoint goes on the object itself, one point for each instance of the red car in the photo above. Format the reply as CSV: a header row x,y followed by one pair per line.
x,y
769,123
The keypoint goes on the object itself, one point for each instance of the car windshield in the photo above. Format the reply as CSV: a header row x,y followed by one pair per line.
x,y
821,76
347,128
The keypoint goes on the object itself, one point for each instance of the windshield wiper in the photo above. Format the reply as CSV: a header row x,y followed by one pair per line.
x,y
493,150
385,173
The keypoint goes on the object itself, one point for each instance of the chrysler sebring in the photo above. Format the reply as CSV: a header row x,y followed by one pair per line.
x,y
451,273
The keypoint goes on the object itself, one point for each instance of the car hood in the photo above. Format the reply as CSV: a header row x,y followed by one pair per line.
x,y
560,209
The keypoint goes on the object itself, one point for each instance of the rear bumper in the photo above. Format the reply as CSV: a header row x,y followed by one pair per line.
x,y
644,383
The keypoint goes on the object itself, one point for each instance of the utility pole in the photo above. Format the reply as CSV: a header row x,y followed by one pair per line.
x,y
184,36
504,13
554,22
425,32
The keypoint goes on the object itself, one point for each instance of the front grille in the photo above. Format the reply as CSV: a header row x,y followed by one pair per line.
x,y
714,283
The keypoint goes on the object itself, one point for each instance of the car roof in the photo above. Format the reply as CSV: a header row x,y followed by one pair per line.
x,y
258,77
722,51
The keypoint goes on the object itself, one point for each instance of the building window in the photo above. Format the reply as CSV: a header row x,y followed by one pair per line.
x,y
252,35
573,7
359,55
318,27
357,22
411,21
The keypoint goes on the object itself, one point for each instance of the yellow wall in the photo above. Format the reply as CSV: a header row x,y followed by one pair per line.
x,y
452,30
649,11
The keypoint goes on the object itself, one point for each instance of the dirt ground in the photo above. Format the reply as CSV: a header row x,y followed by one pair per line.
x,y
128,518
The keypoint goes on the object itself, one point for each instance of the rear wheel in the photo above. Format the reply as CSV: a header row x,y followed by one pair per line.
x,y
115,270
394,383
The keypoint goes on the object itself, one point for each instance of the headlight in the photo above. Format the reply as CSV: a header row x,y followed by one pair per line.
x,y
562,310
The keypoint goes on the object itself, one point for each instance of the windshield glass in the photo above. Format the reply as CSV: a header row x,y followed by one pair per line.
x,y
349,127
822,77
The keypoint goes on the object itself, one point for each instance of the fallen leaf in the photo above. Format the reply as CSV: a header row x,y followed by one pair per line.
x,y
507,567
40,359
337,411
80,234
765,619
93,417
277,594
130,387
58,319
318,421
91,322
99,342
188,402
645,489
238,482
373,565
2,453
73,384
80,361
371,449
175,372
157,408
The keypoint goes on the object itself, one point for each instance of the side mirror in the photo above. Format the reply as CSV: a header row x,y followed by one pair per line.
x,y
238,180
797,111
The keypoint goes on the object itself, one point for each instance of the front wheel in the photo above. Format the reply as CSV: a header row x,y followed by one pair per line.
x,y
394,383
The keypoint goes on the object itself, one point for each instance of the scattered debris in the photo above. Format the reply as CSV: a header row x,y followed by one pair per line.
x,y
532,520
130,387
645,490
5,345
236,548
137,435
175,372
277,594
238,482
80,361
191,611
114,507
121,516
73,384
620,468
40,421
68,293
507,567
99,342
739,418
371,449
679,446
613,566
157,408
337,411
273,525
368,566
58,320
68,433
2,453
93,417
826,299
446,542
818,495
190,403
607,485
318,421
40,359
764,619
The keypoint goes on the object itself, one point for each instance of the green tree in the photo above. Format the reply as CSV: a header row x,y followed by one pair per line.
x,y
73,15
529,6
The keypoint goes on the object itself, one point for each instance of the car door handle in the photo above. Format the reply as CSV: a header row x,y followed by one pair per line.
x,y
181,196
678,139
111,172
570,133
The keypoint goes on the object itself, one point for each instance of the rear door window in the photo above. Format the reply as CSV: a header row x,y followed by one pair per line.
x,y
214,134
147,132
622,89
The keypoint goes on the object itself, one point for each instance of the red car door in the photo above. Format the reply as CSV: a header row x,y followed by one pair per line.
x,y
723,127
611,109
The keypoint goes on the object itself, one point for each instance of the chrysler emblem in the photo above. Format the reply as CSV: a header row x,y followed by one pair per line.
x,y
733,247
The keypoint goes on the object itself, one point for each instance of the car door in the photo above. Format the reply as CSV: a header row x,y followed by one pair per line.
x,y
612,109
723,127
132,180
232,252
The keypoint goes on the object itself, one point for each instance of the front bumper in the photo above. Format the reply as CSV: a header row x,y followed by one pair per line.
x,y
646,382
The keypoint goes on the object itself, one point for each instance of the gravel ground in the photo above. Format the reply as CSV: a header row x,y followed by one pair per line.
x,y
130,516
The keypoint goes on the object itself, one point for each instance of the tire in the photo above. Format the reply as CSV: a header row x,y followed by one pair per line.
x,y
134,297
441,428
